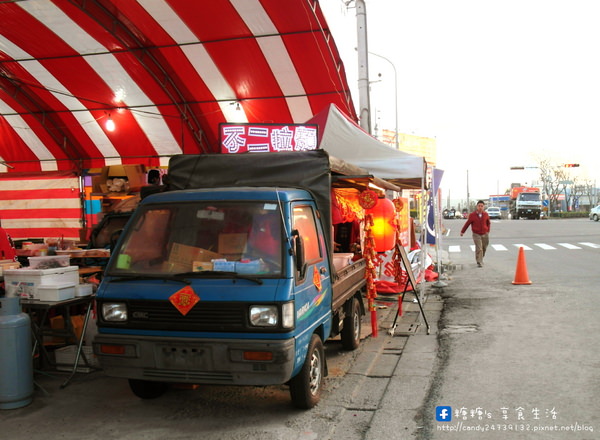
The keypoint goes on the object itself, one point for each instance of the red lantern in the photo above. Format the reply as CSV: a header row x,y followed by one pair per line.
x,y
383,229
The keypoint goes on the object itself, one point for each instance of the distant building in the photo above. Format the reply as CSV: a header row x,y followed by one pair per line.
x,y
409,143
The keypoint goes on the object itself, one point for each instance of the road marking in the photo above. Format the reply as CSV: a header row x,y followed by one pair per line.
x,y
592,245
525,247
568,245
545,246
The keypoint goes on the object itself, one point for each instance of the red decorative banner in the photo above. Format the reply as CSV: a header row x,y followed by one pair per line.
x,y
184,300
317,279
267,138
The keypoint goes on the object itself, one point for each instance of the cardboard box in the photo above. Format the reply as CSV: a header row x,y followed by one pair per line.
x,y
58,323
199,266
249,267
8,265
224,266
183,257
135,175
232,243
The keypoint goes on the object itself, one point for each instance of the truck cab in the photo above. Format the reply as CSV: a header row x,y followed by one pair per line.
x,y
211,286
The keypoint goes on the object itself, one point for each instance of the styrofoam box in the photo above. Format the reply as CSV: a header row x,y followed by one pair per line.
x,y
25,282
83,290
56,292
341,260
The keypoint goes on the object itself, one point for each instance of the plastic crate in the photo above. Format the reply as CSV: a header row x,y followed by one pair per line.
x,y
49,262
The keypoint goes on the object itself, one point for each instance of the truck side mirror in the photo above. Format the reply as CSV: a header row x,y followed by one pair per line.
x,y
299,256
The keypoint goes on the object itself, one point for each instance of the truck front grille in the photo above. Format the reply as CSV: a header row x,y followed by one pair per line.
x,y
204,316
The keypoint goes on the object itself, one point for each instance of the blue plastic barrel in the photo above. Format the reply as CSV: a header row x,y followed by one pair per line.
x,y
16,364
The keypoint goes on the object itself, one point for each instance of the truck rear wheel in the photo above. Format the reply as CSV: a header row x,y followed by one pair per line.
x,y
306,386
352,327
146,389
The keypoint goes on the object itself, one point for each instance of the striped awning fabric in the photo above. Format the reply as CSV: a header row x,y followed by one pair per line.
x,y
41,207
165,72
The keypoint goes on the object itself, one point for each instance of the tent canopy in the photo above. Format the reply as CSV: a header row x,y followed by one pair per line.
x,y
343,138
166,72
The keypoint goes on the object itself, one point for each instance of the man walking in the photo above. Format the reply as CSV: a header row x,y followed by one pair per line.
x,y
479,220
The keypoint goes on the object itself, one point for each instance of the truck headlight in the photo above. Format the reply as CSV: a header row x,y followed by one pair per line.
x,y
268,315
114,312
264,316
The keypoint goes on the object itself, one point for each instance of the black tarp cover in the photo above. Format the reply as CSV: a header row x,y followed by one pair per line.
x,y
309,170
305,170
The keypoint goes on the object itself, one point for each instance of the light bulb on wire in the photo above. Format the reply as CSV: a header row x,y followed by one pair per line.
x,y
110,124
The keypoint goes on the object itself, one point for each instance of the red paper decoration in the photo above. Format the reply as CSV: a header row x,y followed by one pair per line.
x,y
184,299
367,199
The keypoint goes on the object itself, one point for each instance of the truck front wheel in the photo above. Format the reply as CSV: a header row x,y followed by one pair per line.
x,y
352,326
306,386
146,389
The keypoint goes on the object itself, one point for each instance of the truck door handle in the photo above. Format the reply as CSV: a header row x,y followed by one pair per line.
x,y
323,270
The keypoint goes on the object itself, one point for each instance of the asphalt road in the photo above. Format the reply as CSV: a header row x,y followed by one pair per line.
x,y
520,361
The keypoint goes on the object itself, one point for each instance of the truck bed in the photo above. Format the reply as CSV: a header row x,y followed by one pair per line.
x,y
347,281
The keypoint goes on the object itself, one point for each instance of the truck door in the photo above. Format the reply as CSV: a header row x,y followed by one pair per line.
x,y
313,286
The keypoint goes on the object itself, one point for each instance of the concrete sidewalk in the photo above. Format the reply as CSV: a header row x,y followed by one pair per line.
x,y
389,380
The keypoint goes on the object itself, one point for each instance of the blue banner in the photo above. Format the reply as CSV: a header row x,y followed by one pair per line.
x,y
436,179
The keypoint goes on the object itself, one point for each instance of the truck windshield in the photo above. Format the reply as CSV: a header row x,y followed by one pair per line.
x,y
207,237
530,197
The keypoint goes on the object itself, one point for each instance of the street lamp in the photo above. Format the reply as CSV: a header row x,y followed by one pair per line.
x,y
395,94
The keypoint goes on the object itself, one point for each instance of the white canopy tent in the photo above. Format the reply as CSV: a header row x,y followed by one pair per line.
x,y
344,139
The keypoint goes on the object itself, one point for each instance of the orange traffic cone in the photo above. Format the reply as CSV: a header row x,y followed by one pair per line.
x,y
521,275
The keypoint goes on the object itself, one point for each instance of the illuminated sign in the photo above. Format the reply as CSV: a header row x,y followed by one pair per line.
x,y
264,138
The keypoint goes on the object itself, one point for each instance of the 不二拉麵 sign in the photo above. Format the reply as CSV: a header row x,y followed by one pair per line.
x,y
265,138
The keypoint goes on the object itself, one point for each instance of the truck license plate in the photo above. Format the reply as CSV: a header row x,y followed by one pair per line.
x,y
176,357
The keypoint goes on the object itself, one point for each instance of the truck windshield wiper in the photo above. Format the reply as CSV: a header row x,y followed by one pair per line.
x,y
175,278
219,273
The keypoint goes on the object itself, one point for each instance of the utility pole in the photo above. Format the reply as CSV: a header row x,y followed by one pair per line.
x,y
395,94
363,67
468,204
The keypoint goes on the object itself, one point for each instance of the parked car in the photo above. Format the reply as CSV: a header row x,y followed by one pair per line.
x,y
494,212
595,213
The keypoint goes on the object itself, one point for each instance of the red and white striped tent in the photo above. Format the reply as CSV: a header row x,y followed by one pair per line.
x,y
165,72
